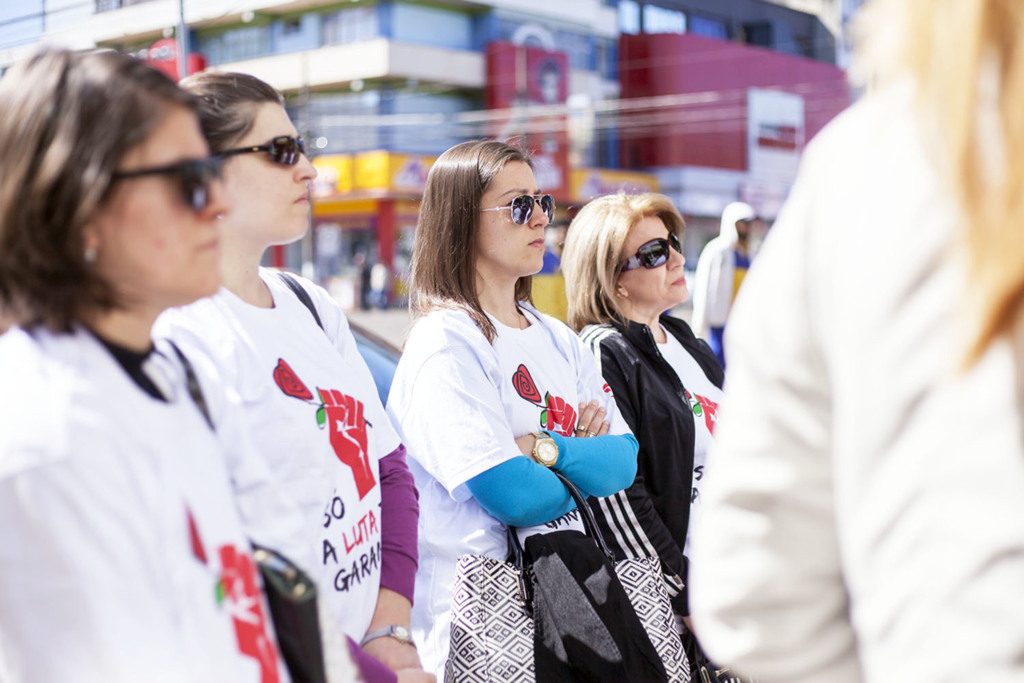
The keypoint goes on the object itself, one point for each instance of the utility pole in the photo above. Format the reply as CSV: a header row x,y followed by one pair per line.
x,y
182,36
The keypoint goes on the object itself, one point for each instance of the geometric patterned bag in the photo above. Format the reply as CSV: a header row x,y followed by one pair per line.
x,y
492,624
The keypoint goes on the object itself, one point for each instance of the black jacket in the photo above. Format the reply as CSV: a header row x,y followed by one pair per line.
x,y
652,515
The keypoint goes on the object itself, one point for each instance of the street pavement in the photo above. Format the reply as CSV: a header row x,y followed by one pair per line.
x,y
393,324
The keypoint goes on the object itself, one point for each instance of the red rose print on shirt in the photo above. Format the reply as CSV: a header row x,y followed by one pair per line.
x,y
289,382
343,415
239,590
524,386
557,414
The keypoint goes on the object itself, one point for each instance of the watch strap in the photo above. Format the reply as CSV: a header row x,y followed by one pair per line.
x,y
398,632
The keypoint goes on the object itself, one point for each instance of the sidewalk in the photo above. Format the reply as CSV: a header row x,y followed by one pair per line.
x,y
393,324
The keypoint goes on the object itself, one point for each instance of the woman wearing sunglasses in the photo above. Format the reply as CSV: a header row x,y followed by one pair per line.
x,y
123,555
313,408
623,267
489,392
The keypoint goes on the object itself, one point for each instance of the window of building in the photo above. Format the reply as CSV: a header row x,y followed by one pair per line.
x,y
629,17
291,27
425,25
234,45
351,25
660,20
758,33
708,27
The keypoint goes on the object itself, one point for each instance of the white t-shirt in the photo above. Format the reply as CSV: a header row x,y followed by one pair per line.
x,y
317,423
459,403
703,399
123,555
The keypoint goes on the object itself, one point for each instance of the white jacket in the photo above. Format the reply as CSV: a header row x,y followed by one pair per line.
x,y
712,292
864,519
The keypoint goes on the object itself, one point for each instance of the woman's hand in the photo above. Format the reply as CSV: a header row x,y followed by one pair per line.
x,y
525,443
591,421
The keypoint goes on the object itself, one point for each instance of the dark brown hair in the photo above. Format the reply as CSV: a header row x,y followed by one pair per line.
x,y
66,121
228,104
443,269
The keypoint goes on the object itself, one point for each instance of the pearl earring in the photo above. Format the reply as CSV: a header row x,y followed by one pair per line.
x,y
90,254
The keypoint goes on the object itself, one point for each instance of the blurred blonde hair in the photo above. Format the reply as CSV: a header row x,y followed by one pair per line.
x,y
967,60
593,252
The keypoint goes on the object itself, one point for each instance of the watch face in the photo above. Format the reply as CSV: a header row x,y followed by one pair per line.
x,y
547,452
401,632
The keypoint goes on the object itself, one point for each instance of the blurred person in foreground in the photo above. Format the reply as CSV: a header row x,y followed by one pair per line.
x,y
623,262
123,555
865,517
721,268
343,505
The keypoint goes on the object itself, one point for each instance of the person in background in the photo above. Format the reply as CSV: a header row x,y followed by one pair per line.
x,y
865,517
623,264
489,393
549,284
124,558
317,421
720,271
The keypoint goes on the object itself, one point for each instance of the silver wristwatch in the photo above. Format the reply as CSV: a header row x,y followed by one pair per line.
x,y
396,631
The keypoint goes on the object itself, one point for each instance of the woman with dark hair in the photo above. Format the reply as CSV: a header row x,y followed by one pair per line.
x,y
488,390
623,268
347,500
123,557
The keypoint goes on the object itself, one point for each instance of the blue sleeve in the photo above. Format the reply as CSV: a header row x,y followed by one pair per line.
x,y
600,466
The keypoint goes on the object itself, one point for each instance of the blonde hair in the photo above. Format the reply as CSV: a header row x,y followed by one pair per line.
x,y
593,252
967,60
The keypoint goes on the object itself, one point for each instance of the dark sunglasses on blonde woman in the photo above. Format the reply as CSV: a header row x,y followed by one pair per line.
x,y
194,178
522,207
284,150
653,254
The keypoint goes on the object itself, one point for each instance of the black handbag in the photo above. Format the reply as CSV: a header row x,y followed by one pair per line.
x,y
292,597
493,610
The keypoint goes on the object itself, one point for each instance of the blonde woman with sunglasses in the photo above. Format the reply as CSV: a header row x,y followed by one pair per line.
x,y
313,409
490,395
123,555
623,266
865,519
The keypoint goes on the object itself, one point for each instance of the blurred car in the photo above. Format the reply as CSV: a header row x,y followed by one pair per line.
x,y
380,355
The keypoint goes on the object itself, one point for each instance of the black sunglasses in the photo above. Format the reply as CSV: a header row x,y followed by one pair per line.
x,y
194,177
522,207
653,254
284,150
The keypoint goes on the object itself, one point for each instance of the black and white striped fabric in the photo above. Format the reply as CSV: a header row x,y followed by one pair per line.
x,y
492,633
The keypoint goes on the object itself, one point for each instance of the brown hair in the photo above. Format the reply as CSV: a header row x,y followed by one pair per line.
x,y
593,252
228,104
66,121
443,269
967,60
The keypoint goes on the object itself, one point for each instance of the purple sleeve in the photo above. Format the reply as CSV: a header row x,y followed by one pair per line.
x,y
399,515
373,670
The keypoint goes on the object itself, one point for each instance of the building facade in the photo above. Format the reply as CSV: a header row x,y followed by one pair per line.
x,y
380,88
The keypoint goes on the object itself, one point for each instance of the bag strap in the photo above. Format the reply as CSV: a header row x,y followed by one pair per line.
x,y
587,515
192,383
303,295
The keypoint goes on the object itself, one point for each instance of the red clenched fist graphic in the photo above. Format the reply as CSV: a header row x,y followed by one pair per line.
x,y
238,583
559,415
710,412
344,419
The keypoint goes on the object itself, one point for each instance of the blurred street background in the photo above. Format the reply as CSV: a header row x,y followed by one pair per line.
x,y
706,101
